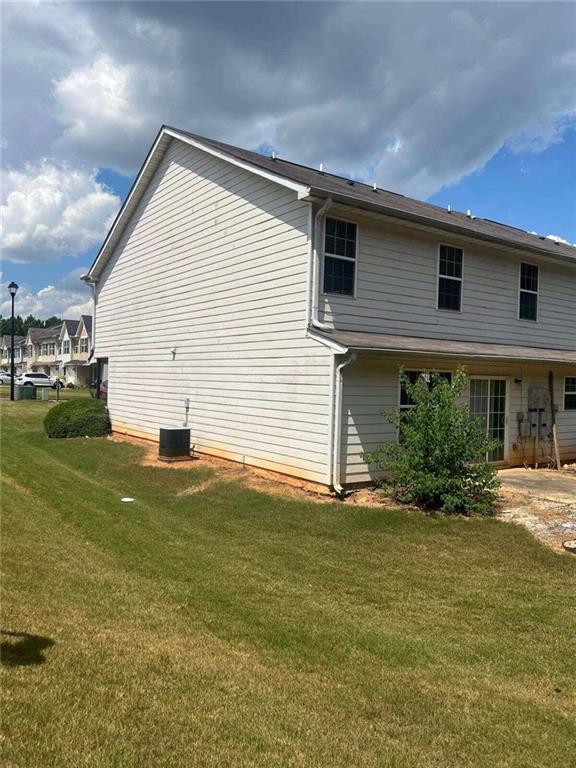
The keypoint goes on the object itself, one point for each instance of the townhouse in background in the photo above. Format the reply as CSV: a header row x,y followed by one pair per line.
x,y
63,351
269,307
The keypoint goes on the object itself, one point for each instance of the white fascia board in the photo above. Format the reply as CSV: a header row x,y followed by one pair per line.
x,y
301,189
338,349
89,276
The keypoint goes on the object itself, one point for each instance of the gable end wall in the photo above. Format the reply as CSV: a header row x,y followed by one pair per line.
x,y
201,311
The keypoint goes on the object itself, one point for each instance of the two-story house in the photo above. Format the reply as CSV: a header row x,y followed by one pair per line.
x,y
41,350
269,307
66,341
75,350
6,352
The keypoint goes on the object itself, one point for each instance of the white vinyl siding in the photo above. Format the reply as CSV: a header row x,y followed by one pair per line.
x,y
201,312
396,293
372,389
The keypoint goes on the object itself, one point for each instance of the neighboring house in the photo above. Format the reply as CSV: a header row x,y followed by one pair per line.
x,y
269,307
6,352
76,340
62,351
66,341
41,350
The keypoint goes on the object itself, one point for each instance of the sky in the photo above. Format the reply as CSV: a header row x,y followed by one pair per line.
x,y
468,104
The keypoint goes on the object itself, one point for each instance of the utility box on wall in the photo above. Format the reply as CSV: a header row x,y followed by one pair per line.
x,y
538,399
174,444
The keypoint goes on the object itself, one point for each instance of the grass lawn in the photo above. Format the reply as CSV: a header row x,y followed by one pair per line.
x,y
64,394
231,628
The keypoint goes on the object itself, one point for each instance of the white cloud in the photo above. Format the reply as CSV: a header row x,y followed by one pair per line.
x,y
108,111
69,298
411,95
558,239
51,211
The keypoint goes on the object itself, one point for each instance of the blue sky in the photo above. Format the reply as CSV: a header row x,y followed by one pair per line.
x,y
467,104
536,192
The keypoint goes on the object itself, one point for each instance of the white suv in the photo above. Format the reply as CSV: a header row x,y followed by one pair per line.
x,y
33,378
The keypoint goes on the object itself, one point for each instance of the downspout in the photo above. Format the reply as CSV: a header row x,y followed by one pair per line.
x,y
336,401
314,268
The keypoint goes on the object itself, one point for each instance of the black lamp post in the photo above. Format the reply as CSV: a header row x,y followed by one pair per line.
x,y
13,288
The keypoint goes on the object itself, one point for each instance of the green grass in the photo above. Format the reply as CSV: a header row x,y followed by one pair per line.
x,y
65,393
231,628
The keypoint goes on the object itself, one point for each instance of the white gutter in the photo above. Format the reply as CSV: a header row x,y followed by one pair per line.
x,y
314,268
333,346
336,421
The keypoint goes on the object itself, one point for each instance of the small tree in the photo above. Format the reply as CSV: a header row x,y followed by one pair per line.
x,y
439,462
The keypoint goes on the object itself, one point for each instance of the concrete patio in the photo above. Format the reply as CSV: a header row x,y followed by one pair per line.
x,y
542,500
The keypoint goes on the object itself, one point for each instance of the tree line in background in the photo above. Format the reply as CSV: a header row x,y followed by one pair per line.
x,y
21,325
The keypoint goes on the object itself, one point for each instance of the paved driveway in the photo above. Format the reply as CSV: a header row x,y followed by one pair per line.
x,y
542,500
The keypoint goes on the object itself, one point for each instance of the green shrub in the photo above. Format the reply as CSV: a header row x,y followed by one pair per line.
x,y
440,461
81,417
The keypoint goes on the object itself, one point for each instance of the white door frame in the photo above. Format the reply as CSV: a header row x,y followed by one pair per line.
x,y
507,430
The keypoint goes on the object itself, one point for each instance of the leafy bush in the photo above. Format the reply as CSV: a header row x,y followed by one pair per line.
x,y
440,461
78,418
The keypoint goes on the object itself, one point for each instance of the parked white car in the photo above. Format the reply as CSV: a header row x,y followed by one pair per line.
x,y
5,377
36,379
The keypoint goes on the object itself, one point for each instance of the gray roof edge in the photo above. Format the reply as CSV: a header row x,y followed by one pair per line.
x,y
394,344
305,177
442,226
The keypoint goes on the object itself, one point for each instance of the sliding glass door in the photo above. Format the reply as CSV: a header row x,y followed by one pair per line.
x,y
488,403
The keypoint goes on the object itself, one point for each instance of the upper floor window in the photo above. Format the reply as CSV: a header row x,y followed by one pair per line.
x,y
75,346
340,257
570,393
528,302
450,278
83,345
66,347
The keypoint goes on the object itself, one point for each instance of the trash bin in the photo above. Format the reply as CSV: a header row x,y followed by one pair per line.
x,y
24,392
42,393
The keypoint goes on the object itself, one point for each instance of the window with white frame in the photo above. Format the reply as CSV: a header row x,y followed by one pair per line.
x,y
450,262
66,347
406,401
570,393
75,346
528,300
340,257
83,345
